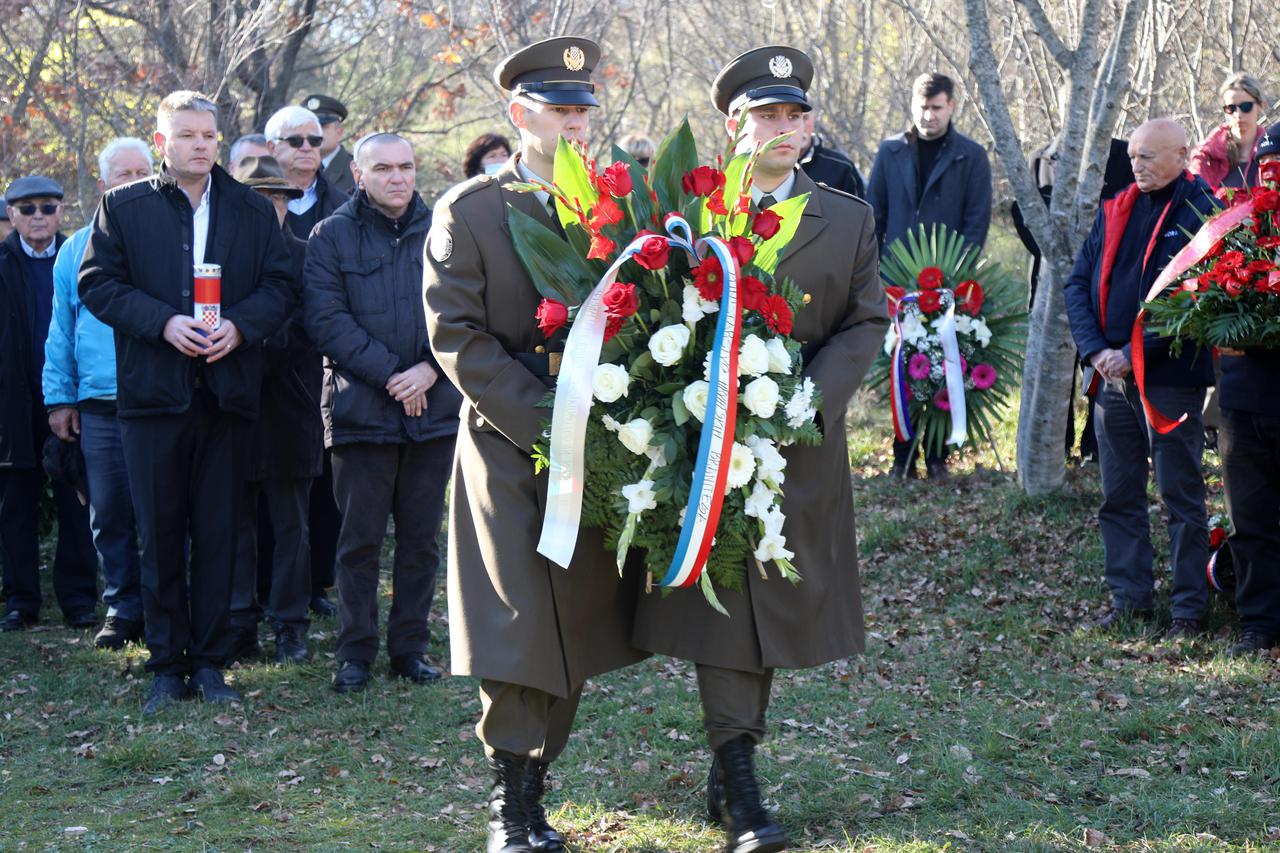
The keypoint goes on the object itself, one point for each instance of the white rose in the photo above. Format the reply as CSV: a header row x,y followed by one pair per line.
x,y
742,464
771,465
695,398
640,496
668,343
779,358
753,357
760,501
636,435
761,397
611,381
773,547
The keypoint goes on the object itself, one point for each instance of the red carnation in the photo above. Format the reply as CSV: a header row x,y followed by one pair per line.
x,y
612,326
620,300
929,301
743,249
606,212
616,180
551,315
766,224
930,278
601,247
970,295
777,315
654,253
708,277
702,181
1217,536
753,293
895,295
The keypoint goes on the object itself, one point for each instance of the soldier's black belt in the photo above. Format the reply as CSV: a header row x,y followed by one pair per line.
x,y
542,364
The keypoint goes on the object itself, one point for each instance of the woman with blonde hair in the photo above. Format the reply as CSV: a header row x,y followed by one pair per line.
x,y
1228,156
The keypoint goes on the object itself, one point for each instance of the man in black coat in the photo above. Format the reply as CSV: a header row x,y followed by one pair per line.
x,y
186,390
34,205
284,460
827,165
1132,239
389,417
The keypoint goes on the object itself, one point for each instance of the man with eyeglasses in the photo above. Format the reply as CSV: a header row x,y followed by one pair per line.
x,y
26,304
294,139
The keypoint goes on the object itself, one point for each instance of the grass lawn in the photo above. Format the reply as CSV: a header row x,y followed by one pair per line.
x,y
979,718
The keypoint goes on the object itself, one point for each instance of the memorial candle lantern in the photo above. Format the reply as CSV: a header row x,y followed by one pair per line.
x,y
208,304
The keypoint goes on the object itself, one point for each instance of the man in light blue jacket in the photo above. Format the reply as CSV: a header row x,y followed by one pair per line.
x,y
79,384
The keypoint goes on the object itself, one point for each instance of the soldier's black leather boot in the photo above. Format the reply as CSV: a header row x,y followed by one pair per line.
x,y
541,835
749,826
508,826
715,794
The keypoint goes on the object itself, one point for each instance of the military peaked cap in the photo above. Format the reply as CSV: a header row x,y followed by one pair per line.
x,y
327,109
773,74
554,71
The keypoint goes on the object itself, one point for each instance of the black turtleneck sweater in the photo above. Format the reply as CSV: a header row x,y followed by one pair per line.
x,y
927,151
1129,281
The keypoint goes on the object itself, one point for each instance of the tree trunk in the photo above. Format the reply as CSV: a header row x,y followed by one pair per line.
x,y
1046,391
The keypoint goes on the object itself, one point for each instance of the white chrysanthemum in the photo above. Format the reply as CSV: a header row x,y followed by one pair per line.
x,y
610,382
668,343
640,496
635,435
779,358
761,397
742,464
753,357
760,501
695,398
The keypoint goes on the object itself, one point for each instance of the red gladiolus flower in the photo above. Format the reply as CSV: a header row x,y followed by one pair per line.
x,y
970,296
743,249
620,300
929,301
743,205
702,181
715,203
930,278
1217,536
612,326
895,294
708,277
753,293
551,316
766,224
606,212
601,247
777,315
616,180
654,253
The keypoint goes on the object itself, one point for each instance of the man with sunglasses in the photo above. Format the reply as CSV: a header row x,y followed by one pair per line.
x,y
26,307
294,139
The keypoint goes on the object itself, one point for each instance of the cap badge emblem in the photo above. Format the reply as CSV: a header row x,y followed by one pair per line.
x,y
780,66
313,103
574,58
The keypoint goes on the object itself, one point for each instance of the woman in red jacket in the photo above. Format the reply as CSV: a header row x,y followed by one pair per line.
x,y
1227,156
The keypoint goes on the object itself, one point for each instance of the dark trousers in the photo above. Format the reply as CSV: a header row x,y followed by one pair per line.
x,y
111,514
734,703
371,481
1250,448
325,522
288,564
1124,444
186,474
904,457
75,563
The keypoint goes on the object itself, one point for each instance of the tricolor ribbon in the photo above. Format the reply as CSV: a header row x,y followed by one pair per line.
x,y
899,394
573,407
1206,238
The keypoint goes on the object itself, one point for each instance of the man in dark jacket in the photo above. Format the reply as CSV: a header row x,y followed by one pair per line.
x,y
34,204
826,165
389,417
294,138
931,175
284,459
186,390
1133,237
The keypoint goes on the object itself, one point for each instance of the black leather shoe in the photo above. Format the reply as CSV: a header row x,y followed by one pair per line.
x,y
351,677
508,825
290,647
15,620
748,825
415,668
87,618
322,606
208,685
1253,643
245,645
542,837
1184,629
165,690
715,796
1115,617
117,631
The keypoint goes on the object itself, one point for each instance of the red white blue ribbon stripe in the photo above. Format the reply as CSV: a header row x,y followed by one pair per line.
x,y
952,371
898,391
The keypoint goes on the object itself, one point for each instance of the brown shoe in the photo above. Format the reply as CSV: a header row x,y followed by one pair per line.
x,y
1184,629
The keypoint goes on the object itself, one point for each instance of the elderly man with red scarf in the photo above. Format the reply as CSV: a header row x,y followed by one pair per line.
x,y
1133,238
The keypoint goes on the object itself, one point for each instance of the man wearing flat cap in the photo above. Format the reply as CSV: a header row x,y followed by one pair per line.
x,y
34,205
531,631
334,158
834,259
